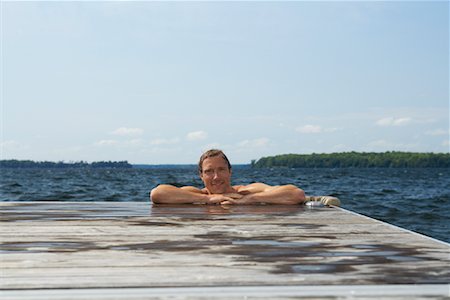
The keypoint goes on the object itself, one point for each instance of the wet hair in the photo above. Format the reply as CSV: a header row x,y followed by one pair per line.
x,y
212,153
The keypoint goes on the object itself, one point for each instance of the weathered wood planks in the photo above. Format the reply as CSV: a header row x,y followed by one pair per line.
x,y
97,245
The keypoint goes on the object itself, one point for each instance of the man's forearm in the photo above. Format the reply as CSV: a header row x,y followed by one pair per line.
x,y
287,194
167,194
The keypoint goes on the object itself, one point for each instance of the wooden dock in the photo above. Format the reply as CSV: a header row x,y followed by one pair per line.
x,y
123,250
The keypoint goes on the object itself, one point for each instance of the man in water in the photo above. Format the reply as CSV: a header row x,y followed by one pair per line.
x,y
215,171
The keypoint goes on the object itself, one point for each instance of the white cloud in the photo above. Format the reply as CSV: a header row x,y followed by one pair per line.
x,y
437,132
309,129
161,141
196,135
107,143
402,121
390,121
124,131
117,143
256,143
314,129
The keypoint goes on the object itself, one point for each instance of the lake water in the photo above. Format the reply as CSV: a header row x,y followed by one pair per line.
x,y
416,199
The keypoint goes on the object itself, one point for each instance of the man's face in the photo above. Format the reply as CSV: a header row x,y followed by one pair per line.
x,y
215,175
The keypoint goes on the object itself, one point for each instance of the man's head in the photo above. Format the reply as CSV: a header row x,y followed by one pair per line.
x,y
215,171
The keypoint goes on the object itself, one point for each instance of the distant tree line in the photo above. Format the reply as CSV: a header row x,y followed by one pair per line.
x,y
13,163
357,160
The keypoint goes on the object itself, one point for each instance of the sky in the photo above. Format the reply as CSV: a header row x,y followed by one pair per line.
x,y
161,82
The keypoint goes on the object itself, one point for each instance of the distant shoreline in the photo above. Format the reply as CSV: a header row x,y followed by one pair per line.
x,y
22,164
390,159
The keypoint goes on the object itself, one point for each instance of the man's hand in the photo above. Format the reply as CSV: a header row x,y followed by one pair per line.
x,y
247,199
220,198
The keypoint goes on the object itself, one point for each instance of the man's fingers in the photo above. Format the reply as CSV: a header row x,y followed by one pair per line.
x,y
219,199
215,200
233,195
232,201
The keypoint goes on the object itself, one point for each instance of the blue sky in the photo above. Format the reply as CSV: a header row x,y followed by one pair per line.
x,y
160,82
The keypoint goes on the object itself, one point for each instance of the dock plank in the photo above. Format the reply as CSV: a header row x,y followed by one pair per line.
x,y
122,245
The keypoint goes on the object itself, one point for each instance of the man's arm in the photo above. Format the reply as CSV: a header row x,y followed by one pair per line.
x,y
262,193
169,194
